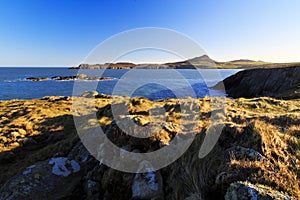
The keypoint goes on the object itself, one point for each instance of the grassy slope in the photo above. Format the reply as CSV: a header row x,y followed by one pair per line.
x,y
267,125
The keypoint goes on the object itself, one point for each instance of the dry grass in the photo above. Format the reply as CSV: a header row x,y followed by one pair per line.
x,y
267,125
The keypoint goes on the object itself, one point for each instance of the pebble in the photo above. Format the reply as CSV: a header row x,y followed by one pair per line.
x,y
14,134
3,139
28,126
22,131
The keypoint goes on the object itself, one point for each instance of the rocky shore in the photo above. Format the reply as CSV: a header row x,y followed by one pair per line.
x,y
255,157
281,83
67,78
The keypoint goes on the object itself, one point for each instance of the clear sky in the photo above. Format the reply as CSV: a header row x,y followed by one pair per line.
x,y
63,32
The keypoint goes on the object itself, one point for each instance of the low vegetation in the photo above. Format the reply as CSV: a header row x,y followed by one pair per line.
x,y
259,143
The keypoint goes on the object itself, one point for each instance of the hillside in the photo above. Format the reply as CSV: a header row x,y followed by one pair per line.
x,y
201,62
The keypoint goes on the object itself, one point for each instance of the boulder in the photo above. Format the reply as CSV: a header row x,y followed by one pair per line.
x,y
240,153
147,185
50,179
89,94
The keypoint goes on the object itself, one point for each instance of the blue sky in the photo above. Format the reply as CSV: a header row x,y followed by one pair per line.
x,y
63,32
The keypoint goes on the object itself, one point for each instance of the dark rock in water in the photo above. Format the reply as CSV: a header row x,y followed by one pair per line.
x,y
240,153
64,78
80,77
245,191
40,180
275,82
37,79
68,78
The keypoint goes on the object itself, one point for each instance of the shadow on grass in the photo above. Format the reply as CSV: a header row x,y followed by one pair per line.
x,y
57,136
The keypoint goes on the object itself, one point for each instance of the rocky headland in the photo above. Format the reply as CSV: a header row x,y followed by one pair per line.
x,y
256,155
281,83
201,62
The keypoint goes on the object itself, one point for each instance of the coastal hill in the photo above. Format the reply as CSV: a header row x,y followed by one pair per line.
x,y
201,62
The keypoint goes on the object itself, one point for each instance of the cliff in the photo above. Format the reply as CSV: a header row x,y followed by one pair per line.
x,y
274,82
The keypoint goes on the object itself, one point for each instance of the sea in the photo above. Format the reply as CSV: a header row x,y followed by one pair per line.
x,y
152,84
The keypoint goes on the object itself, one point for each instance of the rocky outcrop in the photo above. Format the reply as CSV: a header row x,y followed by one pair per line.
x,y
68,78
37,79
245,191
240,153
90,94
147,185
39,181
276,82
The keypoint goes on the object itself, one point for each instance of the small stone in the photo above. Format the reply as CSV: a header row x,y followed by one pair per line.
x,y
3,139
14,145
29,126
14,135
22,131
81,76
141,121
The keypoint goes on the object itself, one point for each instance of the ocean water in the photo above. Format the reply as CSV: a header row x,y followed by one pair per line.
x,y
153,84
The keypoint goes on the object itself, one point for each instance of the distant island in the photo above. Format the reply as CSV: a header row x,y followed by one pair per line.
x,y
201,62
68,78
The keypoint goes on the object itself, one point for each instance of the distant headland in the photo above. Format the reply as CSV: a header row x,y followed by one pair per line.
x,y
201,62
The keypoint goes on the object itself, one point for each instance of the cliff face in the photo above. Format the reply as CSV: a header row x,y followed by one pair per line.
x,y
276,82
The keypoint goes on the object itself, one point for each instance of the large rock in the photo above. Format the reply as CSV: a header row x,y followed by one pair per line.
x,y
36,79
50,179
245,191
147,185
89,94
275,82
240,153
